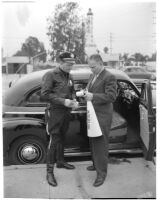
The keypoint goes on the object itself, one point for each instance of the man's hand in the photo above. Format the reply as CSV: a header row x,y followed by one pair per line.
x,y
71,103
88,96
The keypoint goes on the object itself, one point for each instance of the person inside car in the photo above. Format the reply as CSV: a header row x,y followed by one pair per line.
x,y
57,90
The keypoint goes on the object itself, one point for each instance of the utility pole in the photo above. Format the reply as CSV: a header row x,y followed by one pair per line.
x,y
154,25
111,43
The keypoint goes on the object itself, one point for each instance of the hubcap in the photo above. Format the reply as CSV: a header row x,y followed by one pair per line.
x,y
29,153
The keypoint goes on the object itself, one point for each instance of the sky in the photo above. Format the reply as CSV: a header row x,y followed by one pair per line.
x,y
132,24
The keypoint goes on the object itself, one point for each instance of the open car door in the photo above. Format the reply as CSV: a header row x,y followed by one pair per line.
x,y
147,122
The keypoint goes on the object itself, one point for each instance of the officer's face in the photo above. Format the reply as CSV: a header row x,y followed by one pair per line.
x,y
67,66
94,66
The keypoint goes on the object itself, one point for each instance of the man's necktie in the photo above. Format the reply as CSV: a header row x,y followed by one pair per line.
x,y
93,80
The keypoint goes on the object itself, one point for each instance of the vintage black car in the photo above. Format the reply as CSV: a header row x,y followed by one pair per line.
x,y
24,130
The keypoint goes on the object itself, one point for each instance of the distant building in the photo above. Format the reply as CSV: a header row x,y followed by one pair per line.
x,y
111,60
11,65
151,66
4,64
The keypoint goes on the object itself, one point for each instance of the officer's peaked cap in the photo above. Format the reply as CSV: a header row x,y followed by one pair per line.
x,y
67,56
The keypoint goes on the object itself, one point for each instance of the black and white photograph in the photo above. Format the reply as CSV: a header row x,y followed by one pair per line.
x,y
78,99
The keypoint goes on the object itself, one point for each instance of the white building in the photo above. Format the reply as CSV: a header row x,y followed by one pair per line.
x,y
90,47
111,60
15,63
151,66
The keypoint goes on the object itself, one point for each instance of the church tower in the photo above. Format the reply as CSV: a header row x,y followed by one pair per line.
x,y
90,46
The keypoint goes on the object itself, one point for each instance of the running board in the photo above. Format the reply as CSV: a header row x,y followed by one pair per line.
x,y
119,151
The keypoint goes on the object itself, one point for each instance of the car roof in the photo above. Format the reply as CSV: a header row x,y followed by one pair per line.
x,y
33,80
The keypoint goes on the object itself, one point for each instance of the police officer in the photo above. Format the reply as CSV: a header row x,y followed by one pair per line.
x,y
57,90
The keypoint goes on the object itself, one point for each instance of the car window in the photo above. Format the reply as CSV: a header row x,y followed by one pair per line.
x,y
153,87
138,70
128,70
153,91
135,70
34,98
126,89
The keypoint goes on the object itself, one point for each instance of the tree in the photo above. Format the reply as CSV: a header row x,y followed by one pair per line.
x,y
32,47
106,49
140,58
126,59
66,30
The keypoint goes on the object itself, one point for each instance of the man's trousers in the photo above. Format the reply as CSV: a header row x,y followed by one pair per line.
x,y
99,148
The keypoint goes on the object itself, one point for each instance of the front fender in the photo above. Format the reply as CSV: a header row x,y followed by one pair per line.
x,y
14,128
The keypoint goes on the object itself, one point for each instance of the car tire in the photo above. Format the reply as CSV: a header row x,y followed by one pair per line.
x,y
27,150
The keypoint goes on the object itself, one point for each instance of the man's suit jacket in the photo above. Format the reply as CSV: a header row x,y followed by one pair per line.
x,y
104,94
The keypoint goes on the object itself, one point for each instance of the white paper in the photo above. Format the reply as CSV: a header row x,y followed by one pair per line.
x,y
93,127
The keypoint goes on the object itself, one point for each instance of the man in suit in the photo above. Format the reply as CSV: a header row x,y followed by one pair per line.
x,y
57,90
102,92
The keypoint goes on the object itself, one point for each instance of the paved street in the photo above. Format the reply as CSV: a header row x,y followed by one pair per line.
x,y
133,179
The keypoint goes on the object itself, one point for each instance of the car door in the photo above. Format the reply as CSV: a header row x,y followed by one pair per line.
x,y
75,138
147,121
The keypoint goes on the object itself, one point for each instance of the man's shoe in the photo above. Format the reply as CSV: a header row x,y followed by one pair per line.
x,y
65,165
99,181
91,168
51,179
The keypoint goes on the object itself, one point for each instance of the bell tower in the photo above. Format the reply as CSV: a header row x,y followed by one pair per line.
x,y
90,46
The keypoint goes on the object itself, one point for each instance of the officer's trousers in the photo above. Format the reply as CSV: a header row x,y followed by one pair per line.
x,y
57,126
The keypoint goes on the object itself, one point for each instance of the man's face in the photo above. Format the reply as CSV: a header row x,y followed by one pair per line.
x,y
67,66
94,66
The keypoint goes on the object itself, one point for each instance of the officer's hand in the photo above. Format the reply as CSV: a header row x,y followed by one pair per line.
x,y
75,104
88,96
68,103
71,103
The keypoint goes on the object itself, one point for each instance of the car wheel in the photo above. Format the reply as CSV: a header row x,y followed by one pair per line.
x,y
27,150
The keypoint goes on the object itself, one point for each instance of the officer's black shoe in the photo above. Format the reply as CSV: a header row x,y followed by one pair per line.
x,y
65,165
99,181
51,179
91,168
50,175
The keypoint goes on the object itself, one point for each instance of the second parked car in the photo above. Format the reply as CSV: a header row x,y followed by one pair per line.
x,y
139,72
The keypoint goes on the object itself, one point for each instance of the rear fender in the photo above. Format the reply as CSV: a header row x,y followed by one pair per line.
x,y
17,127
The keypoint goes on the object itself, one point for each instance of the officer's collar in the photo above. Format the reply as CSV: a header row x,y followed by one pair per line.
x,y
66,73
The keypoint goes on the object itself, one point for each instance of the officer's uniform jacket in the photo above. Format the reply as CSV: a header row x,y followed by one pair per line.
x,y
56,87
